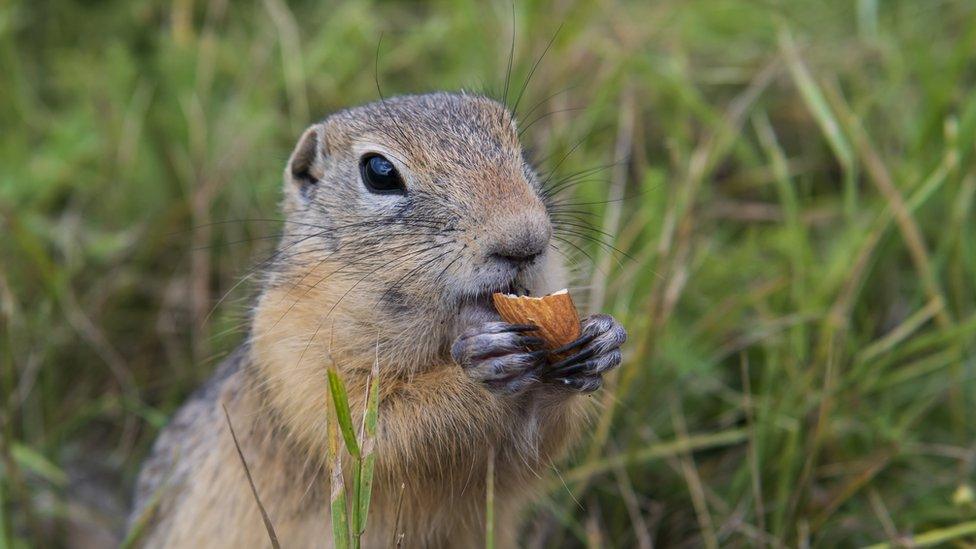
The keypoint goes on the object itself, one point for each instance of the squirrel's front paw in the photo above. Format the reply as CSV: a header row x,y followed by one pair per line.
x,y
596,351
500,355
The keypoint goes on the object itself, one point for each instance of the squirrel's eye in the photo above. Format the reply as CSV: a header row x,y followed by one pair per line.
x,y
380,175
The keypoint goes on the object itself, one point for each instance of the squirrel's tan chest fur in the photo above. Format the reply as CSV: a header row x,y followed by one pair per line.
x,y
362,279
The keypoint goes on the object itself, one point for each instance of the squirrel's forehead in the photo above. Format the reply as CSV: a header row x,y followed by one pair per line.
x,y
431,121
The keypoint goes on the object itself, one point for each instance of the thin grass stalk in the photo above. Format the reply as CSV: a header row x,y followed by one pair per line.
x,y
254,491
611,221
6,540
490,501
748,405
693,479
791,211
135,533
355,519
395,541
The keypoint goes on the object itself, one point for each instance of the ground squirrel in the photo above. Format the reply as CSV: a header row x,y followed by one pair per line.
x,y
402,217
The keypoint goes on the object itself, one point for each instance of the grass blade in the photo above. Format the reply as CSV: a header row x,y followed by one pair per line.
x,y
37,463
340,401
337,486
660,450
368,447
818,106
937,536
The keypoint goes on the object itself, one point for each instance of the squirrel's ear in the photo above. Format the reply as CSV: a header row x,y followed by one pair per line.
x,y
306,165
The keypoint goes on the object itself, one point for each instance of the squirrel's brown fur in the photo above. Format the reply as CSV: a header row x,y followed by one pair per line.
x,y
357,276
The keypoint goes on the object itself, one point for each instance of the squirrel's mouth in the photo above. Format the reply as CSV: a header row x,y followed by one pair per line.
x,y
479,308
514,287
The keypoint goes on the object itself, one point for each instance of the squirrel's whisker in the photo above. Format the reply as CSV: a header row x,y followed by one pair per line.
x,y
346,293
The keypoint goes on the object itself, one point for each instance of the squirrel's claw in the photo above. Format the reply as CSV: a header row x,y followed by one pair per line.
x,y
598,351
582,384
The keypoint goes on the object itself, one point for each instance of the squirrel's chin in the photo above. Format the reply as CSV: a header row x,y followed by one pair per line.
x,y
474,311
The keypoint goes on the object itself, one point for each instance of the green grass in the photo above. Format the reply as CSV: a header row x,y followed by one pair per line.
x,y
796,202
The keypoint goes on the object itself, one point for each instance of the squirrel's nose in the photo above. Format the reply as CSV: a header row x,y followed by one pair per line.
x,y
521,247
519,259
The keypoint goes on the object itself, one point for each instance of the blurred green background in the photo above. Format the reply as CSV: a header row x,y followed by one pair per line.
x,y
792,183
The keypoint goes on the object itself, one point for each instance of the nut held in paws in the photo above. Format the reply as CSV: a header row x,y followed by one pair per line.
x,y
554,314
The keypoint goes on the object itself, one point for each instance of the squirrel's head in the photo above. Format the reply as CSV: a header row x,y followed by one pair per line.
x,y
417,204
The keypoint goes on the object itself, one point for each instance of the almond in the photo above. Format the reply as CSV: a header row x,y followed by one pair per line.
x,y
554,314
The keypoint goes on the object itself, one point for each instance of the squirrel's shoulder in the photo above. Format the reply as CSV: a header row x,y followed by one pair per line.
x,y
187,431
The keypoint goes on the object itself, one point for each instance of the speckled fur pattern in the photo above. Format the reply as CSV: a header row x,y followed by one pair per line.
x,y
360,277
